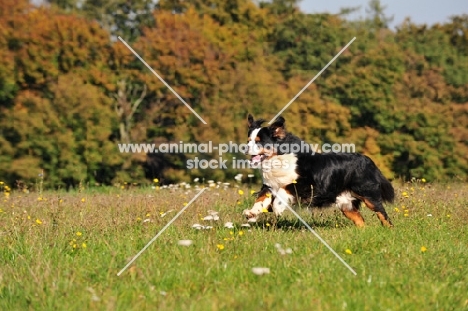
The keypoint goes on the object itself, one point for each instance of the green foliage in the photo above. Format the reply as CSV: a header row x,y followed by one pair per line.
x,y
69,91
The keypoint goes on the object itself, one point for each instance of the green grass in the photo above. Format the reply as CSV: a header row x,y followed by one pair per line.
x,y
41,270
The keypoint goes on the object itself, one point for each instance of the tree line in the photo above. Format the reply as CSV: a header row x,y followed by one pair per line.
x,y
70,91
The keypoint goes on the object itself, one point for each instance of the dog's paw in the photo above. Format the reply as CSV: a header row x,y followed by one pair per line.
x,y
249,214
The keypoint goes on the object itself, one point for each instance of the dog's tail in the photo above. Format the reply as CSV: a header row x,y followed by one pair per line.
x,y
386,189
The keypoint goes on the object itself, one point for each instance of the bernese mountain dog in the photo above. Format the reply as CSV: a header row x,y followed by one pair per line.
x,y
321,179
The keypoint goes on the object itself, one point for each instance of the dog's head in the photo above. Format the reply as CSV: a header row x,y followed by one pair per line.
x,y
260,142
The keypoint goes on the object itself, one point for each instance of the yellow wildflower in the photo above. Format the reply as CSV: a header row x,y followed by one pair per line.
x,y
252,192
79,233
423,180
83,199
423,249
220,246
241,232
38,221
264,210
348,251
241,192
155,180
83,245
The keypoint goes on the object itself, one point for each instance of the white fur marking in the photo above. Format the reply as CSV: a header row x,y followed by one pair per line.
x,y
282,199
258,207
253,148
345,201
281,171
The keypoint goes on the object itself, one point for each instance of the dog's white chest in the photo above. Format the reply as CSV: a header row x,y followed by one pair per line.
x,y
280,171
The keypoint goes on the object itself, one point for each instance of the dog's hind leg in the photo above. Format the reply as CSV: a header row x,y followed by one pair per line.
x,y
377,207
349,206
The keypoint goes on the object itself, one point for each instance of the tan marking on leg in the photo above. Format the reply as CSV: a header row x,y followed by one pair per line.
x,y
355,216
384,220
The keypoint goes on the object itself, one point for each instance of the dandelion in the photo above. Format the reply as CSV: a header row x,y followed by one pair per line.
x,y
267,224
241,232
423,180
220,246
448,215
397,209
83,245
148,215
74,245
406,215
79,233
252,192
155,180
83,199
264,210
405,194
348,251
423,249
241,192
38,221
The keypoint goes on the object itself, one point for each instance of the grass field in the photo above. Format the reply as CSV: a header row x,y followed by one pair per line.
x,y
62,251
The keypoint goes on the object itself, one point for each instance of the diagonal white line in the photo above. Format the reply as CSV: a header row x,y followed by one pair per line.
x,y
312,81
162,80
160,232
315,233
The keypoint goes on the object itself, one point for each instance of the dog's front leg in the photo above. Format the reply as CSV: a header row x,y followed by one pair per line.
x,y
282,200
262,202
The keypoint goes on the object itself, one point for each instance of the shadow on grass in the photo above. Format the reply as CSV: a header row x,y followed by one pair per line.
x,y
292,223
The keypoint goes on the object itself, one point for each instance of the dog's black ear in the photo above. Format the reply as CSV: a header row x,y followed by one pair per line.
x,y
250,120
278,129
